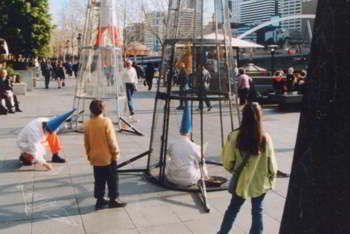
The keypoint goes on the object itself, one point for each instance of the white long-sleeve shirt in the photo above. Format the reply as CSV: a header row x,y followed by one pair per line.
x,y
31,139
130,75
183,166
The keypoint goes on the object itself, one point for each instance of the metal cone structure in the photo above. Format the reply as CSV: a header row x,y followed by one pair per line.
x,y
200,70
101,63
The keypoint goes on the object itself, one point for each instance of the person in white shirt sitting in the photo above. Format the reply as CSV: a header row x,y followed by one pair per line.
x,y
183,168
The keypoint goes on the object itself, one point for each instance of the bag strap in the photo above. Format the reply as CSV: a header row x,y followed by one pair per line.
x,y
243,163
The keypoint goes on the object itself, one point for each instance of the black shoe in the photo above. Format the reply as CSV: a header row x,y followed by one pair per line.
x,y
18,110
11,111
180,108
57,159
209,108
100,204
116,204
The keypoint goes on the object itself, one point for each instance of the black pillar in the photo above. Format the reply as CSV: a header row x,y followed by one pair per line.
x,y
318,199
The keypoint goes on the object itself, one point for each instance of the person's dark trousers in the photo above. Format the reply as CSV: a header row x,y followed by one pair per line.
x,y
130,88
206,100
47,81
149,81
182,93
233,209
16,103
105,174
243,96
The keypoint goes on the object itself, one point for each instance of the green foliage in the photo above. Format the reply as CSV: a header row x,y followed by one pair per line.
x,y
26,26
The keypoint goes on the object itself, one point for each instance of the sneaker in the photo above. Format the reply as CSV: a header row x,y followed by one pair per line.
x,y
100,204
116,204
57,159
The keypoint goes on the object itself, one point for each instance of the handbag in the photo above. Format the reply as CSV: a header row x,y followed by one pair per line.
x,y
235,175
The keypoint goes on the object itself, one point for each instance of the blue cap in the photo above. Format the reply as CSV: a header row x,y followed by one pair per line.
x,y
186,123
54,123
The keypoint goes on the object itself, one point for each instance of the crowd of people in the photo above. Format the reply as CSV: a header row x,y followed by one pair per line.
x,y
57,70
249,146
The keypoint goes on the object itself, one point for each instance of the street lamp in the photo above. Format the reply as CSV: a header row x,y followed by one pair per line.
x,y
67,50
79,41
273,52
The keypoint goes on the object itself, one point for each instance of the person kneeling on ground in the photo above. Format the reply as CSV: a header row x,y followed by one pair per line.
x,y
31,140
183,167
102,151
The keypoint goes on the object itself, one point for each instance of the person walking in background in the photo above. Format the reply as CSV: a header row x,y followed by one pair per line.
x,y
102,151
130,80
46,70
253,147
243,86
204,82
149,75
60,75
139,70
183,81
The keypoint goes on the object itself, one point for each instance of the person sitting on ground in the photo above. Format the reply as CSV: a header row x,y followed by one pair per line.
x,y
278,82
31,140
6,93
290,80
183,168
102,150
300,81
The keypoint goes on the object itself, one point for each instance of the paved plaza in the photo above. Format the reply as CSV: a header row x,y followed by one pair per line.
x,y
61,201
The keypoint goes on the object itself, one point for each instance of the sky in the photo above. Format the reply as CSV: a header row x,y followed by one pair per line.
x,y
55,8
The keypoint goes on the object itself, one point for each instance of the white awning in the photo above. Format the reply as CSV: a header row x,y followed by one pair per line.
x,y
238,43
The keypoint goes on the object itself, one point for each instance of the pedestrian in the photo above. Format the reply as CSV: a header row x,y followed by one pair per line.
x,y
102,151
46,70
203,81
183,82
244,82
60,75
130,80
149,75
251,149
139,70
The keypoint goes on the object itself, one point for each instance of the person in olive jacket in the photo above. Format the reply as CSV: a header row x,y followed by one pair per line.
x,y
253,147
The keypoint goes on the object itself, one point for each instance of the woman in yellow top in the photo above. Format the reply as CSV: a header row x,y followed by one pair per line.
x,y
258,174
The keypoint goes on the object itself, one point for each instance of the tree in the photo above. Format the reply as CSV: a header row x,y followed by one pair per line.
x,y
69,25
319,188
26,26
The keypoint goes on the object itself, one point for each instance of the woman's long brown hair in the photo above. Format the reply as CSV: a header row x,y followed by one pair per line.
x,y
251,139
